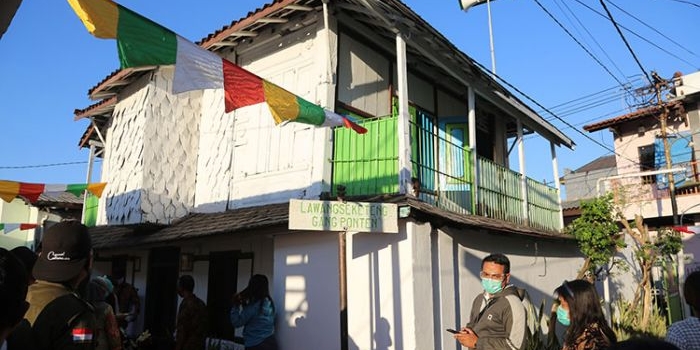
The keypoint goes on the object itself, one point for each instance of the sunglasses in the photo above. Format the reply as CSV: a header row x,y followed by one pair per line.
x,y
565,286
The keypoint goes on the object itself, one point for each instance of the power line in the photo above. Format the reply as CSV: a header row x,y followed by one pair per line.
x,y
44,165
654,29
639,36
592,38
550,112
578,42
687,2
625,40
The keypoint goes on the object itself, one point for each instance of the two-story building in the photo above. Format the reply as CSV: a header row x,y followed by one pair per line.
x,y
641,185
192,189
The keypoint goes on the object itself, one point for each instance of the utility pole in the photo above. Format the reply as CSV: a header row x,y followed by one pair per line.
x,y
660,83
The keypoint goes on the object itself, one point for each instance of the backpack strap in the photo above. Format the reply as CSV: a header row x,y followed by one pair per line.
x,y
58,320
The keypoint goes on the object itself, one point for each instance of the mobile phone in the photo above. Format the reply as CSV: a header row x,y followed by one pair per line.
x,y
452,331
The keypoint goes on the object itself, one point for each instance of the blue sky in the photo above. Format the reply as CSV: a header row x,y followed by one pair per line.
x,y
48,62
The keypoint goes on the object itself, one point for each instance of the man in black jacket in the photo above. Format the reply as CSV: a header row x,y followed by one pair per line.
x,y
13,290
497,319
58,318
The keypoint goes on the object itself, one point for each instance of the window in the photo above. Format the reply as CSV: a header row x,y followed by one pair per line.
x,y
646,163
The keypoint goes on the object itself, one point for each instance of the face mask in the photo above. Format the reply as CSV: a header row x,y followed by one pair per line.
x,y
491,286
563,316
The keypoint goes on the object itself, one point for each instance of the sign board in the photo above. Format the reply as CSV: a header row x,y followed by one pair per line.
x,y
343,216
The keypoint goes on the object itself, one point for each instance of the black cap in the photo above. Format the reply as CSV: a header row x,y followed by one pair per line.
x,y
65,250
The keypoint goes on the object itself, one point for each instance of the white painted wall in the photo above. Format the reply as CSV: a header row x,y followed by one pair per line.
x,y
18,212
364,77
389,300
646,200
245,160
307,290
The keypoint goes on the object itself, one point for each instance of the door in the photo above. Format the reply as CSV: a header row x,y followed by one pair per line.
x,y
455,164
161,292
229,272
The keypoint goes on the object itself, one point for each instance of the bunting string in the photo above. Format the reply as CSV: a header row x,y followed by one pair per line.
x,y
11,227
9,190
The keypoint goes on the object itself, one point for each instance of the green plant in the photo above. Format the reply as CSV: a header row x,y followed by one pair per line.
x,y
543,337
597,234
628,318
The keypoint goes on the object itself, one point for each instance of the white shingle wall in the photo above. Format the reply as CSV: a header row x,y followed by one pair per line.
x,y
152,148
215,147
171,135
122,166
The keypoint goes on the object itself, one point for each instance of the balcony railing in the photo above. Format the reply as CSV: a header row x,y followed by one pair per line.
x,y
368,165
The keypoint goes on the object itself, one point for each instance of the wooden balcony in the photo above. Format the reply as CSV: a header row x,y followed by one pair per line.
x,y
442,161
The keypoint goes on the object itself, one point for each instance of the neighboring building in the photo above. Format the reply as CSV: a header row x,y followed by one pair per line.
x,y
639,150
583,183
194,190
46,211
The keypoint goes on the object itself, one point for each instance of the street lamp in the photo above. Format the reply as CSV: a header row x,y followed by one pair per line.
x,y
465,5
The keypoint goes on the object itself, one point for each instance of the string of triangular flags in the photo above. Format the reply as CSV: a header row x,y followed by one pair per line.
x,y
11,227
9,190
142,42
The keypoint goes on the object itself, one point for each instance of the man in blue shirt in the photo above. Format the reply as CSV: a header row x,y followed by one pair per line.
x,y
685,334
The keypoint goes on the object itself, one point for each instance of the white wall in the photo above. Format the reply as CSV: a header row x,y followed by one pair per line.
x,y
389,300
307,290
247,160
363,77
18,212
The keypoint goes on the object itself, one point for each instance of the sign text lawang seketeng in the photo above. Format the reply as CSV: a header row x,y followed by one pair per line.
x,y
343,216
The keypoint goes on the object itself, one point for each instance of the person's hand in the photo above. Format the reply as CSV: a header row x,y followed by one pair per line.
x,y
467,337
236,300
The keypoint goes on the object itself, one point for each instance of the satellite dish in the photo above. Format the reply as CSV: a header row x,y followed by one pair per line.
x,y
466,4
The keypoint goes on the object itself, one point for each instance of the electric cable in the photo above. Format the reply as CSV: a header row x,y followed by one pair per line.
x,y
604,146
600,47
654,29
578,42
687,2
622,36
45,165
639,36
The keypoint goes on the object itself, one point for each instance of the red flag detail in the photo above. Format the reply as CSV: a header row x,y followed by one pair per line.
x,y
349,124
30,191
684,229
241,87
27,226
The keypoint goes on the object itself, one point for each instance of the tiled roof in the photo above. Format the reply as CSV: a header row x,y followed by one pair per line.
x,y
198,225
60,199
625,118
195,225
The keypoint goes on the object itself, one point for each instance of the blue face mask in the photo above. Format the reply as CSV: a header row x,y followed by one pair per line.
x,y
491,286
563,316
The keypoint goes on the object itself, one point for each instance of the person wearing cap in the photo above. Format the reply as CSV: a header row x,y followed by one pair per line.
x,y
13,290
58,318
107,336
